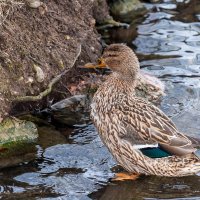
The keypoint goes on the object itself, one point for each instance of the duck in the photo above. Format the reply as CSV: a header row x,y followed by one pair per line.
x,y
141,138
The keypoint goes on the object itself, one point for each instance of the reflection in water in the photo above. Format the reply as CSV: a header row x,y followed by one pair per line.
x,y
151,187
74,164
68,167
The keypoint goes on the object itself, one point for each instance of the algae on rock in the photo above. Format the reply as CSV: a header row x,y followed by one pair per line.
x,y
15,130
17,141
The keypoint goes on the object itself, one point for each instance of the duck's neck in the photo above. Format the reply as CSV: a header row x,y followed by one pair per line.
x,y
126,78
116,85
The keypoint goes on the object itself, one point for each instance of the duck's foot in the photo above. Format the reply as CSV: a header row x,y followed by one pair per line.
x,y
125,176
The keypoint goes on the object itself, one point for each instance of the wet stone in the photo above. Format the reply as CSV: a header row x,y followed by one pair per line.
x,y
48,136
13,129
71,111
74,103
17,141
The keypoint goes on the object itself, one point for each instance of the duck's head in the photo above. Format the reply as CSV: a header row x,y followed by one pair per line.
x,y
121,59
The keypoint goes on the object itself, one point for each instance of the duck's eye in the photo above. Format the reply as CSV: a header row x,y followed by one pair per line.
x,y
110,54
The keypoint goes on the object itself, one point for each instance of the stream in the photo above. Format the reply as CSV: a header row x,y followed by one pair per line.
x,y
73,164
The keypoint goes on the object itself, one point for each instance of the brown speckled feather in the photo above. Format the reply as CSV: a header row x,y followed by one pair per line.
x,y
153,125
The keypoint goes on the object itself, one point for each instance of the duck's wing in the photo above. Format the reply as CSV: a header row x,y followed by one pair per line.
x,y
151,124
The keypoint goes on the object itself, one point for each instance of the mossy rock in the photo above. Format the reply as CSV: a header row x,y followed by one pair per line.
x,y
127,10
17,137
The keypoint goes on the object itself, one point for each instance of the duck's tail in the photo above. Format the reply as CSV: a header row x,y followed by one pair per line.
x,y
192,164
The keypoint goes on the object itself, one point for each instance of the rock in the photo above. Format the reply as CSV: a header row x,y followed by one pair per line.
x,y
48,136
71,111
39,74
101,11
16,159
36,120
34,3
127,10
14,130
69,118
17,139
73,103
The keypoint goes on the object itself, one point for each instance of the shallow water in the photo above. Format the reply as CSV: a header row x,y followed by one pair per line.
x,y
72,163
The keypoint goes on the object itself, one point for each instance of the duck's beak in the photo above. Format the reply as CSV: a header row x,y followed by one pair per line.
x,y
101,64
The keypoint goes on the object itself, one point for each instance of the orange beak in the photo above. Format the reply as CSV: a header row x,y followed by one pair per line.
x,y
101,64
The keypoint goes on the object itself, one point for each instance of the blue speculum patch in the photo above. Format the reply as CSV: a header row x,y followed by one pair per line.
x,y
155,152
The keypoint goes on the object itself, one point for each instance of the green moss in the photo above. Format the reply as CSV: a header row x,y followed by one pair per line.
x,y
14,131
16,148
17,137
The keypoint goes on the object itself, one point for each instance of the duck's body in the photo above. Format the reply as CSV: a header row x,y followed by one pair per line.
x,y
133,129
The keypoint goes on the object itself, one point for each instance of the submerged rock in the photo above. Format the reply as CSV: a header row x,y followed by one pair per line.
x,y
49,136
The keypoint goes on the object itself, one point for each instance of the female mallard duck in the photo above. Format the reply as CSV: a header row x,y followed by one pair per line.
x,y
139,135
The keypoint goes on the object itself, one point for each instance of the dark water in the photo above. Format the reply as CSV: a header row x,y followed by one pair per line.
x,y
73,163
